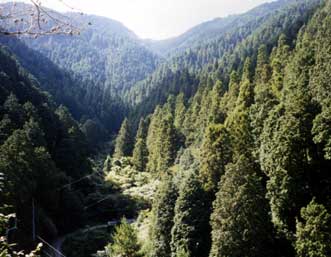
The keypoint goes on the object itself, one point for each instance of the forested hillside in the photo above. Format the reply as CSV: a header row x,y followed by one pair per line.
x,y
214,29
42,148
46,175
105,52
245,164
225,150
228,51
87,103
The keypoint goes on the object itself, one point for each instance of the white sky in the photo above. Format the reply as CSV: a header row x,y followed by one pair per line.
x,y
158,19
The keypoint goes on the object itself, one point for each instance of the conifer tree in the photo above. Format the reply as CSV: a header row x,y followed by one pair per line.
x,y
279,59
263,97
313,236
180,110
151,139
216,115
163,214
161,141
140,152
166,143
287,145
228,101
320,80
191,222
246,92
240,222
125,241
215,154
192,115
123,141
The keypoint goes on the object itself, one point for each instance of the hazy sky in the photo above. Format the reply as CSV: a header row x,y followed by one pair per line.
x,y
159,19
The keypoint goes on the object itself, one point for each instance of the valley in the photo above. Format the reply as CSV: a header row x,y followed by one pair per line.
x,y
215,143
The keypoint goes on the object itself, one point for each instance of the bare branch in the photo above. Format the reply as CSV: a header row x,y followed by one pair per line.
x,y
34,20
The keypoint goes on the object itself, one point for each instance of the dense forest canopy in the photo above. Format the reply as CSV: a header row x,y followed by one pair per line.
x,y
222,146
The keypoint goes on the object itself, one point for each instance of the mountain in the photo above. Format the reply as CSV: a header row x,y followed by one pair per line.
x,y
222,54
245,162
105,52
213,29
84,99
231,157
41,149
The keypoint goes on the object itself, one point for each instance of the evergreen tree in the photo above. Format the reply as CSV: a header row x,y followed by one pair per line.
x,y
191,221
163,213
246,92
320,79
313,236
72,149
263,98
240,222
167,146
180,110
228,101
123,141
140,152
287,146
125,241
161,141
216,114
215,154
151,139
279,59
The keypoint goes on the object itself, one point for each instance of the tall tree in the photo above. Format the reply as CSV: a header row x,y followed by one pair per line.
x,y
140,152
191,222
216,114
313,236
163,214
180,110
123,142
240,221
287,146
125,241
215,154
161,141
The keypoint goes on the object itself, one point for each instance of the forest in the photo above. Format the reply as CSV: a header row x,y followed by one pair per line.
x,y
216,143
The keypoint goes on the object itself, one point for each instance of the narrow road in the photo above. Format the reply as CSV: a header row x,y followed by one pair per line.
x,y
57,243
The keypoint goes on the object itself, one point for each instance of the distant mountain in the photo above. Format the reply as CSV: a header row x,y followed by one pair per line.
x,y
105,52
87,73
184,70
104,72
213,29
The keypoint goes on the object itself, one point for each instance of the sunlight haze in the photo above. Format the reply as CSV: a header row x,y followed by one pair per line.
x,y
159,19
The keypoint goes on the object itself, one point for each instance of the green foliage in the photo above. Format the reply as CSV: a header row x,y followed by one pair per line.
x,y
163,213
180,110
215,154
41,149
125,242
123,144
313,237
240,220
191,221
161,141
140,152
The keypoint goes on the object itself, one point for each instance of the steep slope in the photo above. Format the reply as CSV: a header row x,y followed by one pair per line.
x,y
221,55
84,99
258,148
41,150
213,29
105,52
